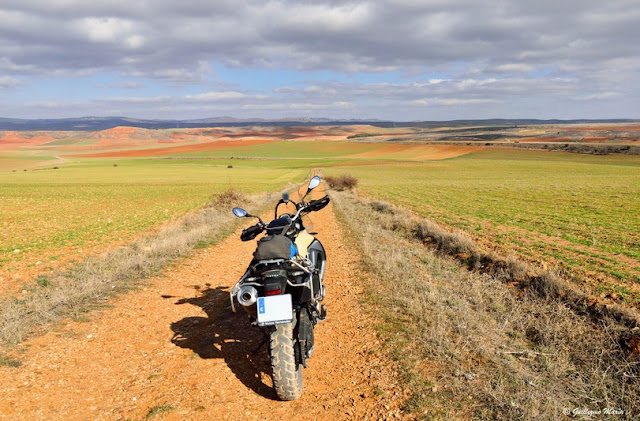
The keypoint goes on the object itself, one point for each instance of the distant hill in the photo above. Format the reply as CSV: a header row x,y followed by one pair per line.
x,y
103,123
498,122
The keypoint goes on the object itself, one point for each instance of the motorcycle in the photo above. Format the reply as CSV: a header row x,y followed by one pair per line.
x,y
282,289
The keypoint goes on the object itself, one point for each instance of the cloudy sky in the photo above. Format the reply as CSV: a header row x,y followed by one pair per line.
x,y
386,59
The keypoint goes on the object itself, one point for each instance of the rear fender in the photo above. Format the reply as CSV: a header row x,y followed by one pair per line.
x,y
304,336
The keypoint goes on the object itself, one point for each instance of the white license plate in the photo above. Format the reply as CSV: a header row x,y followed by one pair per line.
x,y
275,310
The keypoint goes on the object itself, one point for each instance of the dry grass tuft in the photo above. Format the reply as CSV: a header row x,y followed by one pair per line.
x,y
445,241
343,182
472,345
227,198
382,207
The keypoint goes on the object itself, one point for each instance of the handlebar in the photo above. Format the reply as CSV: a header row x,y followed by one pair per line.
x,y
316,205
302,208
312,206
251,232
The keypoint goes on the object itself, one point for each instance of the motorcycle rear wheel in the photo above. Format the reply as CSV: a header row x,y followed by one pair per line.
x,y
286,371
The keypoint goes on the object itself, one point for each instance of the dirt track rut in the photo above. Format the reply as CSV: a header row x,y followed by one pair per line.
x,y
174,350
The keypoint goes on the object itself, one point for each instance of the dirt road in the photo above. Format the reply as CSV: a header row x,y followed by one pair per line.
x,y
174,350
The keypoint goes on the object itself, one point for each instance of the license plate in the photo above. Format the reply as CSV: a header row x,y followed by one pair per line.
x,y
275,310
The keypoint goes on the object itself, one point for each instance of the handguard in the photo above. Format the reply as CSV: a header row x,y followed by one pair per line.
x,y
251,232
316,205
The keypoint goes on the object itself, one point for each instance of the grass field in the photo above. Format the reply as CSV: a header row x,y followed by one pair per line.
x,y
337,152
289,149
466,343
51,215
578,212
571,211
525,354
12,160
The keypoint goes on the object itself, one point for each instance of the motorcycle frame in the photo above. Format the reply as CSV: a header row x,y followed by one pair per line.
x,y
249,281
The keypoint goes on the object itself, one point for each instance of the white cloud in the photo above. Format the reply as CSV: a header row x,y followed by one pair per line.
x,y
514,67
9,82
135,41
104,29
598,96
263,107
452,101
343,36
342,104
473,83
216,96
137,100
128,85
9,66
535,56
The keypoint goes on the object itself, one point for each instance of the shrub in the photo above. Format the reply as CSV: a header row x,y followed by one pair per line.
x,y
356,136
343,182
382,207
228,197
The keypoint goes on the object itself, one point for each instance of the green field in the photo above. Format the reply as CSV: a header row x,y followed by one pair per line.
x,y
87,205
578,212
572,211
292,149
12,160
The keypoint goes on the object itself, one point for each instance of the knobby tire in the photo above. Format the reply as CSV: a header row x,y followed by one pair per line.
x,y
286,372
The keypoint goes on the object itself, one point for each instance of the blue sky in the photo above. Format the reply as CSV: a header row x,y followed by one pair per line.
x,y
387,59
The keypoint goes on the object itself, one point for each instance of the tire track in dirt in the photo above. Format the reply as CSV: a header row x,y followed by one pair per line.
x,y
175,346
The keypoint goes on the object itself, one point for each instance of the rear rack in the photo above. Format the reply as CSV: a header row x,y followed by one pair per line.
x,y
248,280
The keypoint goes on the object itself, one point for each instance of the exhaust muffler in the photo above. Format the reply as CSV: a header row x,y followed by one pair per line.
x,y
247,296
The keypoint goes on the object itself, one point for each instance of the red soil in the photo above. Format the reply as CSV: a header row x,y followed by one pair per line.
x,y
174,149
12,140
129,137
120,131
419,152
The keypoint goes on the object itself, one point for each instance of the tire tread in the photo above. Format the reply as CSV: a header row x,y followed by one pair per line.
x,y
287,373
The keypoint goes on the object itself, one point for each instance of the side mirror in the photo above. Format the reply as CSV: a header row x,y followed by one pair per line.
x,y
285,197
315,182
239,212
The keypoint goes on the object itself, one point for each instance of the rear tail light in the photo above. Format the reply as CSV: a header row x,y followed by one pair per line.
x,y
273,292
